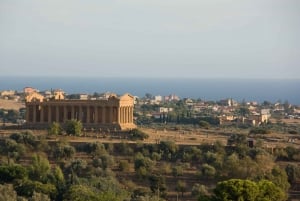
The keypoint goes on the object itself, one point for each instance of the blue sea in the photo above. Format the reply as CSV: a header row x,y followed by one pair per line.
x,y
259,90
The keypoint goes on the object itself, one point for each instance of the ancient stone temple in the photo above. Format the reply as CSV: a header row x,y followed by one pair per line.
x,y
113,113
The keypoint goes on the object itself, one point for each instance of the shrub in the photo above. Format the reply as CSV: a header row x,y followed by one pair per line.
x,y
124,166
204,124
137,134
293,132
55,129
260,131
73,127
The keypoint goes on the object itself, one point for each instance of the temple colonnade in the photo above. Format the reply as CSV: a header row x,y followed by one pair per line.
x,y
92,113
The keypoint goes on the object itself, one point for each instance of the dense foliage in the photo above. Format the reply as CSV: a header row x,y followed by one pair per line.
x,y
89,171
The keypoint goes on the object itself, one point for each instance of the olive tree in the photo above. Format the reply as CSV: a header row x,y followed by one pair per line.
x,y
73,127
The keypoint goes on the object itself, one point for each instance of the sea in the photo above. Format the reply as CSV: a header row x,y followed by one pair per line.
x,y
259,90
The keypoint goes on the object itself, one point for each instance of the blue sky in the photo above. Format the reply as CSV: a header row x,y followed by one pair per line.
x,y
157,38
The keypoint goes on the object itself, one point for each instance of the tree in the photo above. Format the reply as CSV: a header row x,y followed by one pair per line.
x,y
177,170
243,111
158,185
237,139
55,129
236,189
73,127
96,149
268,191
168,148
208,171
78,166
39,169
293,172
12,115
8,173
124,165
12,149
27,138
204,124
199,190
27,188
136,134
279,177
63,151
143,165
181,187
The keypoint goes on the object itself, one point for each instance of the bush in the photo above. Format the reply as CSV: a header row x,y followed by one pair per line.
x,y
10,173
26,138
137,134
73,127
124,166
55,129
204,124
259,131
293,132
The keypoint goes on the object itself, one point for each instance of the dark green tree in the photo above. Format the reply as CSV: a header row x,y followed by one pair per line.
x,y
73,127
158,185
12,149
8,173
293,173
268,191
236,189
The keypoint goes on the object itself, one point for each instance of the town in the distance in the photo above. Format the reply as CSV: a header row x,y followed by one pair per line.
x,y
107,146
151,109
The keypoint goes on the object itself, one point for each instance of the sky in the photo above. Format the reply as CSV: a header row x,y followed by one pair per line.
x,y
151,38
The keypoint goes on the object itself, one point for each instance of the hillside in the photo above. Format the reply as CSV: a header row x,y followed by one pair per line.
x,y
11,104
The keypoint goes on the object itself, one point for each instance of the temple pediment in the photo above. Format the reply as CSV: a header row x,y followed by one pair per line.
x,y
126,97
34,96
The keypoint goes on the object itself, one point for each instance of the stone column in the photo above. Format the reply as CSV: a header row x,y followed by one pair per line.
x,y
57,113
111,114
65,113
72,112
42,114
34,114
49,113
88,115
130,114
80,113
96,114
124,115
119,116
104,115
127,114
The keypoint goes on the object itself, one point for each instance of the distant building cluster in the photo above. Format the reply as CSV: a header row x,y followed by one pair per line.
x,y
228,111
110,110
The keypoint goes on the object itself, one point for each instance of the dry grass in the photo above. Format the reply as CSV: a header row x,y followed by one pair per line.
x,y
11,104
